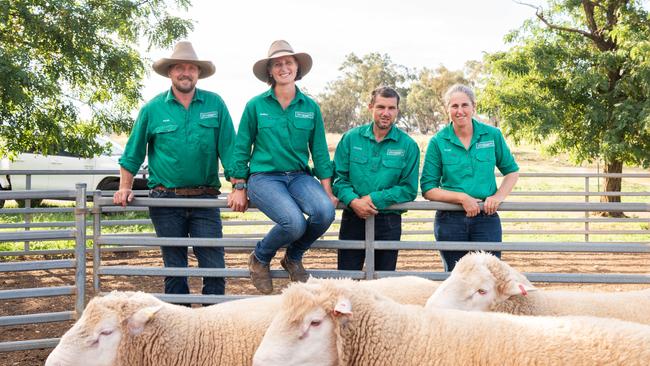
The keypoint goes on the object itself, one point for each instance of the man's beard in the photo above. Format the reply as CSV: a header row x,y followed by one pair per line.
x,y
183,89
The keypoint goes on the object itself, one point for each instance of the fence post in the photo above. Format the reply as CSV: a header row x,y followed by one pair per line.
x,y
28,204
80,247
97,226
586,212
370,247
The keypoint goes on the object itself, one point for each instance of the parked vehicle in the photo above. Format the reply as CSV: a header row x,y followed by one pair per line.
x,y
66,161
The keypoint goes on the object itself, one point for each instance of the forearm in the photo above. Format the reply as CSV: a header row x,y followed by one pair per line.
x,y
442,195
327,185
126,179
507,185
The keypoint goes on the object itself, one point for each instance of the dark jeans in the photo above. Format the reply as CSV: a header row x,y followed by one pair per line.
x,y
456,226
286,198
387,227
183,222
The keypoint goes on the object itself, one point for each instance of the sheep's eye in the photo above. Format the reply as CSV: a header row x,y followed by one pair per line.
x,y
315,323
481,291
106,332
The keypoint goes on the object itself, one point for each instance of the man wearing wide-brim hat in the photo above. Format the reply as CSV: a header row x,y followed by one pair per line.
x,y
184,131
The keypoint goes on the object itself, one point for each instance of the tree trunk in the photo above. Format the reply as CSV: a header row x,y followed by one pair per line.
x,y
612,185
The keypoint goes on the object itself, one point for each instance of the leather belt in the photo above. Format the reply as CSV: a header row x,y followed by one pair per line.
x,y
189,191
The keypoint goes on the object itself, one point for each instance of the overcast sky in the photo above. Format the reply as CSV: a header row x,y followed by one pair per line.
x,y
235,34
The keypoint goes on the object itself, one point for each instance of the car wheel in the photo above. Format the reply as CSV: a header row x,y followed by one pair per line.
x,y
109,184
140,184
34,203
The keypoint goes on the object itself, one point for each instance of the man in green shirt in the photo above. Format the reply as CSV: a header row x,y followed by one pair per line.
x,y
185,131
376,166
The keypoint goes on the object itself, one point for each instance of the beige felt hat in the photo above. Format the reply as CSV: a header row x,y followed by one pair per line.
x,y
183,53
278,49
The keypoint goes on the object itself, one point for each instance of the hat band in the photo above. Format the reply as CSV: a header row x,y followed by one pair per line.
x,y
278,51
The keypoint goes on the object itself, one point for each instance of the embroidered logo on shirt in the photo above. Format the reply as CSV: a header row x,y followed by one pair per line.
x,y
307,115
395,152
205,115
446,150
484,144
357,148
166,120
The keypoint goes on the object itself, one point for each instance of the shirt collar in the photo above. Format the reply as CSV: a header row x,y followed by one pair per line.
x,y
393,134
198,96
298,98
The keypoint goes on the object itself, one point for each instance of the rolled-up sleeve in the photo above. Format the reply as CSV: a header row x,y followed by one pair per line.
x,y
432,169
136,147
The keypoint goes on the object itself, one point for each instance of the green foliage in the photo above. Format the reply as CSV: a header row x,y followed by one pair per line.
x,y
578,79
345,100
61,60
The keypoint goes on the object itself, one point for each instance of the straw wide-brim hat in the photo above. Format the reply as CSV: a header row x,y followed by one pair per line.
x,y
278,49
183,53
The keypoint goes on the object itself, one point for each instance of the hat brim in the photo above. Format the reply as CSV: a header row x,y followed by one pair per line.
x,y
304,63
161,67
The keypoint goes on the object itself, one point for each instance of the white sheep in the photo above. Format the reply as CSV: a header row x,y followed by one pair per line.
x,y
481,281
138,329
325,323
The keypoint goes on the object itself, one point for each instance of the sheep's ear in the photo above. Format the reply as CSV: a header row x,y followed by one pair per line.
x,y
343,307
515,288
140,318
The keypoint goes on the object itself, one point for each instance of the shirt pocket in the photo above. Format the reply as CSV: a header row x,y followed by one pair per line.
x,y
486,156
304,124
358,157
450,159
393,163
264,122
165,138
209,122
208,134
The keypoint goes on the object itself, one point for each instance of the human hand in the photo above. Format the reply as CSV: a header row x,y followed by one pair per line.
x,y
123,196
238,200
334,199
492,204
363,207
471,206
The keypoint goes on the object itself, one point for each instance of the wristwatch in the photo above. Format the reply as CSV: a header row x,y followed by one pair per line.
x,y
240,185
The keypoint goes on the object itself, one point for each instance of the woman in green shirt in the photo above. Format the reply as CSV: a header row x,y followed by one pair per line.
x,y
278,132
459,168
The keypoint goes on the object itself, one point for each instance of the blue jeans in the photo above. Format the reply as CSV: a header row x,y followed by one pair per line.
x,y
456,226
284,197
183,222
387,227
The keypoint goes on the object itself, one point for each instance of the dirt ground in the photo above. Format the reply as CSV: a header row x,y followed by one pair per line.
x,y
316,259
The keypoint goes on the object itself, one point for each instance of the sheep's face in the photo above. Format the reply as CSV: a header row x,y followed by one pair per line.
x,y
479,282
89,342
95,338
475,291
303,332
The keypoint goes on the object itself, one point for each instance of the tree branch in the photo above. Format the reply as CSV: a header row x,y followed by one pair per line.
x,y
595,34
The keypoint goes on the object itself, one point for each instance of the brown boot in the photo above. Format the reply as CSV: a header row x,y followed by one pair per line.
x,y
260,275
296,271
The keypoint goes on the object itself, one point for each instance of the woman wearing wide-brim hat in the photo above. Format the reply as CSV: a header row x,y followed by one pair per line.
x,y
278,131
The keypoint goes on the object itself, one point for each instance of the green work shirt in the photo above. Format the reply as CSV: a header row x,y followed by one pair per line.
x,y
385,170
450,166
184,145
281,140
